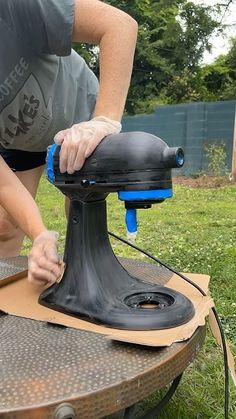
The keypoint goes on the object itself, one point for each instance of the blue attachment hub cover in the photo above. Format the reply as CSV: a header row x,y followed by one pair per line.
x,y
50,169
179,158
152,195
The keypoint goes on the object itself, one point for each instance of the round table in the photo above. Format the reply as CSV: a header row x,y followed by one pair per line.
x,y
48,371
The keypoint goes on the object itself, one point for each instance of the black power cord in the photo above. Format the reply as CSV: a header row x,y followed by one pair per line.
x,y
154,412
224,347
157,409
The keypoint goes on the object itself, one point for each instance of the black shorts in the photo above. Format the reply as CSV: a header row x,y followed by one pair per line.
x,y
19,160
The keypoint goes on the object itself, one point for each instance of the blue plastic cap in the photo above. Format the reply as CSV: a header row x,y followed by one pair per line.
x,y
131,220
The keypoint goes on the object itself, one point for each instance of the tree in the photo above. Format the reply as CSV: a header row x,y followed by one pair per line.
x,y
173,35
220,77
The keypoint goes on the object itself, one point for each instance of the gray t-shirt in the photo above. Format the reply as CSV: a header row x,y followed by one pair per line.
x,y
45,86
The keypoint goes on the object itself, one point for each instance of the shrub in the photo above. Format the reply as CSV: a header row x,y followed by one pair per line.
x,y
217,159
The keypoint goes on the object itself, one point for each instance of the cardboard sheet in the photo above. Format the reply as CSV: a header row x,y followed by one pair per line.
x,y
12,278
21,299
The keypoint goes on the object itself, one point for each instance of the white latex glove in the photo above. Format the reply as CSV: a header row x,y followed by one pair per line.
x,y
44,265
79,141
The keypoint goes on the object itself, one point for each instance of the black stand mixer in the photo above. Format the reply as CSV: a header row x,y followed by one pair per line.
x,y
95,286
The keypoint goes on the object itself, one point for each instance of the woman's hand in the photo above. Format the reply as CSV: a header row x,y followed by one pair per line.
x,y
44,265
79,141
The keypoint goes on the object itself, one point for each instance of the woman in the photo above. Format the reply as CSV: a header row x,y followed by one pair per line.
x,y
48,92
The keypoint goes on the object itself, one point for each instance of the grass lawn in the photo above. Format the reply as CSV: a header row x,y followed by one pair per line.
x,y
193,232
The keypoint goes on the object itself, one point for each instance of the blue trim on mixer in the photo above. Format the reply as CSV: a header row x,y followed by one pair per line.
x,y
151,195
50,167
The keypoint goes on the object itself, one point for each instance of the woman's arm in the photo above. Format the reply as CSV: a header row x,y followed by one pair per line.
x,y
115,32
18,202
44,264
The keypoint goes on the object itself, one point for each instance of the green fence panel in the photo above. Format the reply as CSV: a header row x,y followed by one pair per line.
x,y
193,126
